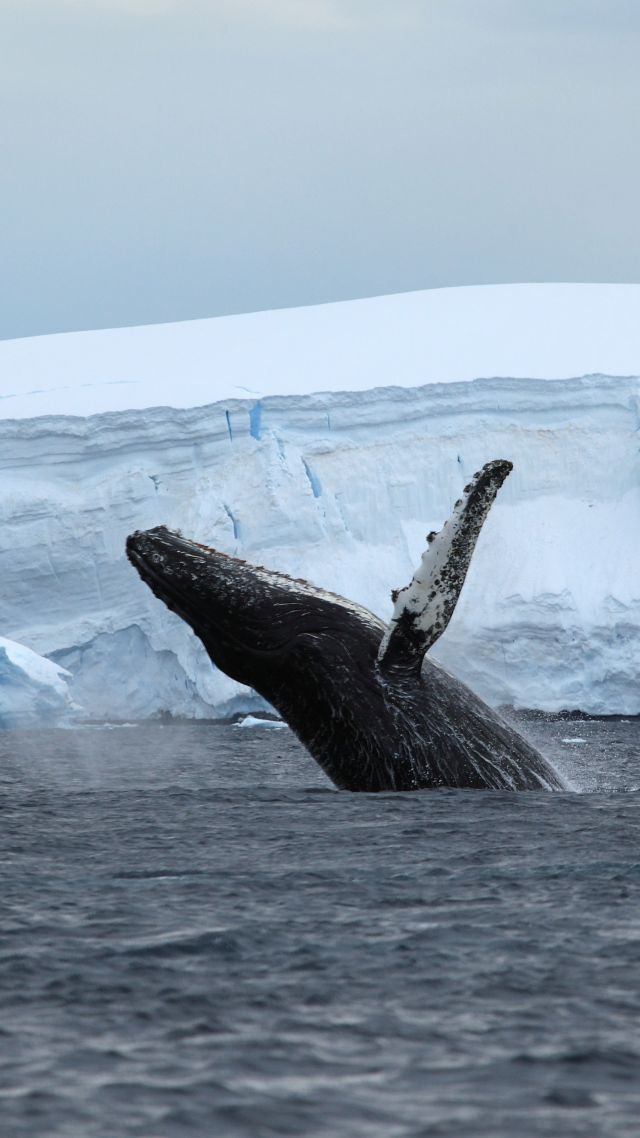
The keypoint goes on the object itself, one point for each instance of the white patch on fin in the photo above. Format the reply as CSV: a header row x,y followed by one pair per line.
x,y
423,609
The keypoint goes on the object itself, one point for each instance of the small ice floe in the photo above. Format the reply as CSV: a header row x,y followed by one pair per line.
x,y
574,740
109,726
255,721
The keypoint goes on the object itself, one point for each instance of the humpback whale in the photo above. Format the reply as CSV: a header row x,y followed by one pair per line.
x,y
361,696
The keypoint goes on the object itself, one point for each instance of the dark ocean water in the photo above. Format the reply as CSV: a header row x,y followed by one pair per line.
x,y
200,937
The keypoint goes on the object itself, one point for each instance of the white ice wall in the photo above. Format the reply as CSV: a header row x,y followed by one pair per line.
x,y
341,489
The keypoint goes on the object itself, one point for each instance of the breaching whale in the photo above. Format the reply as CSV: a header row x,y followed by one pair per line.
x,y
374,713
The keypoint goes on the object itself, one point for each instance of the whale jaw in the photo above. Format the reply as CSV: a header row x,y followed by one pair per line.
x,y
260,627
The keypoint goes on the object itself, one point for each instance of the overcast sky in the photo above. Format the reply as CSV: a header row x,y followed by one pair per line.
x,y
167,159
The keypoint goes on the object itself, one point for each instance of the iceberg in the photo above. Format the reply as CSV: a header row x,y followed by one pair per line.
x,y
326,442
256,721
33,690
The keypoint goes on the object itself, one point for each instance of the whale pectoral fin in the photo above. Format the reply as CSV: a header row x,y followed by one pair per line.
x,y
424,608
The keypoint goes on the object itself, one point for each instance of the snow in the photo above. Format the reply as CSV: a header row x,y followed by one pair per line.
x,y
340,487
33,691
550,331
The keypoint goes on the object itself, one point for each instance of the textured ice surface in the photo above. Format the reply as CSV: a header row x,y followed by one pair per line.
x,y
340,487
33,690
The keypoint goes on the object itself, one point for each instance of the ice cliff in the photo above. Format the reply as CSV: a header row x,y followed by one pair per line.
x,y
339,486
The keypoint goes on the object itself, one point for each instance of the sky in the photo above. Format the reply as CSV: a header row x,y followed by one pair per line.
x,y
170,159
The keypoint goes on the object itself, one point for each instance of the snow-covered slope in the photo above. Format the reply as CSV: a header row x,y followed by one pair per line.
x,y
33,691
550,331
339,487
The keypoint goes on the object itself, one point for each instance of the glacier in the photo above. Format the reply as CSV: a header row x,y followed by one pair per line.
x,y
331,459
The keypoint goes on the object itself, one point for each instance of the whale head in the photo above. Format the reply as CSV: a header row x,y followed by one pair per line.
x,y
262,628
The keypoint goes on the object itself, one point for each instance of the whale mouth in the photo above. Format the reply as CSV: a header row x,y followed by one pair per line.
x,y
230,604
141,558
155,568
211,591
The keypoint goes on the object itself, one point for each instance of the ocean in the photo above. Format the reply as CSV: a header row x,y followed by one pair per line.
x,y
200,938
